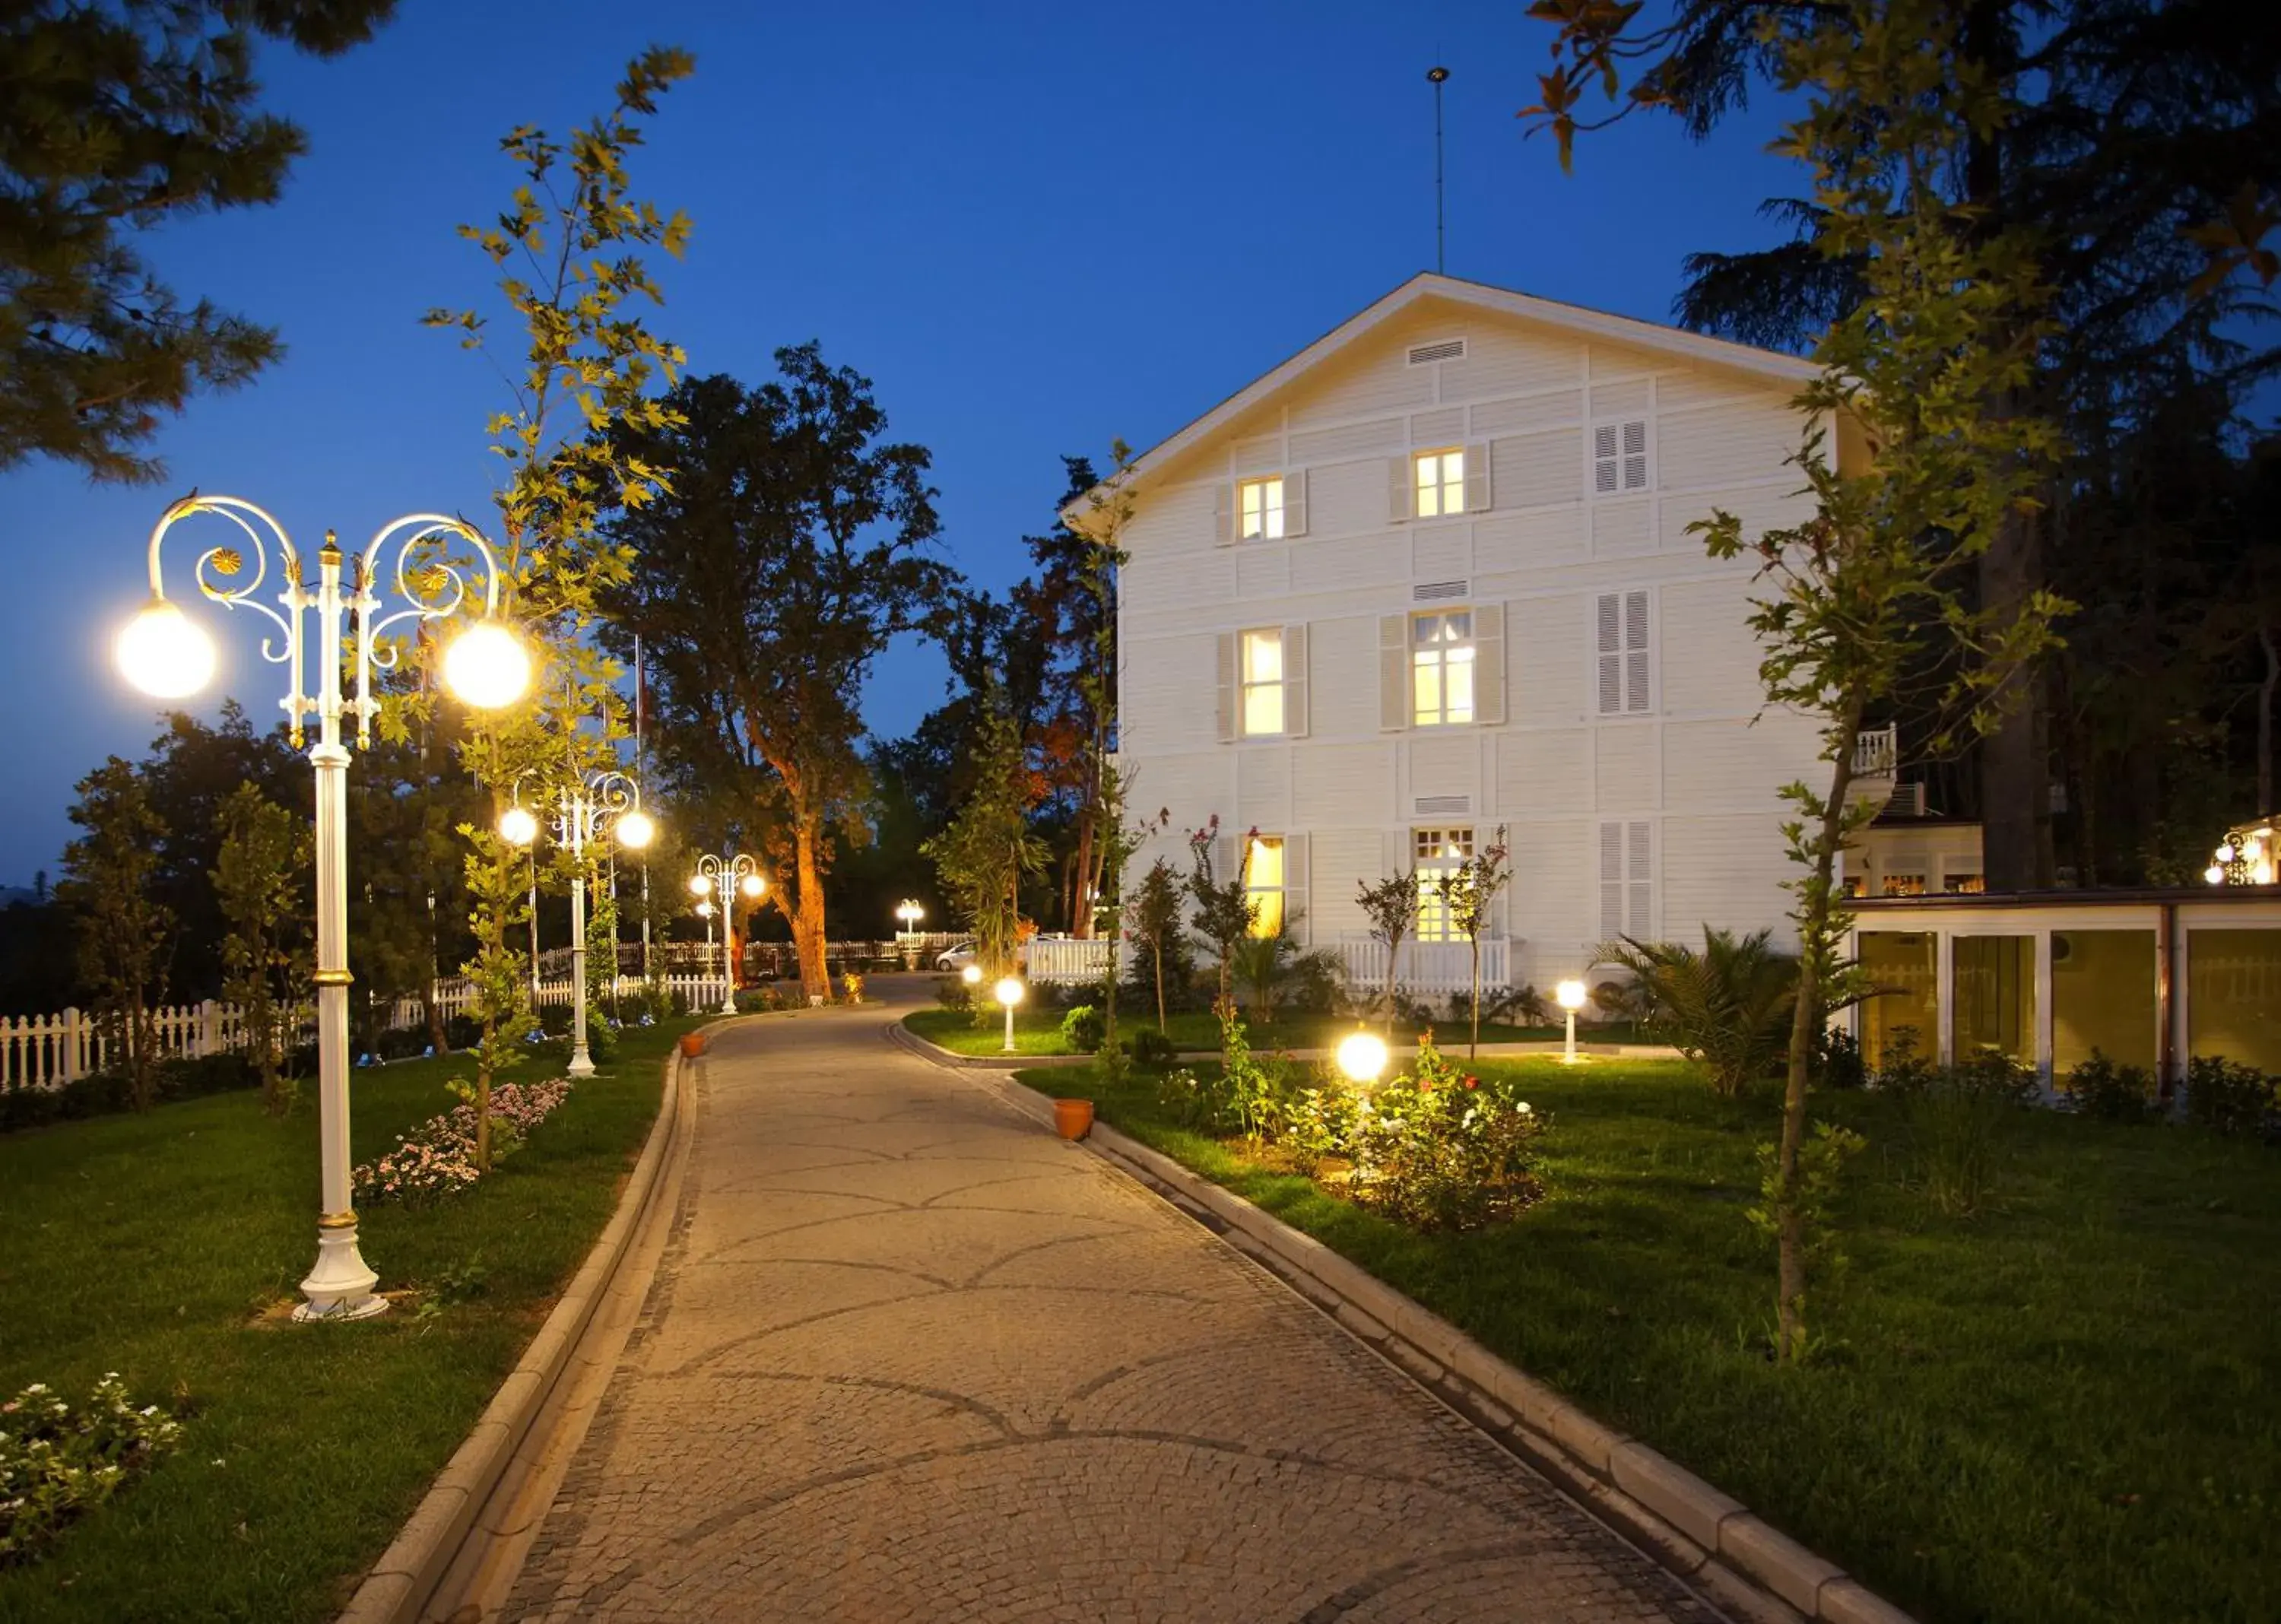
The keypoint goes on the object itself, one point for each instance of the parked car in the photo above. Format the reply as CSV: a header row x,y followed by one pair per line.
x,y
959,955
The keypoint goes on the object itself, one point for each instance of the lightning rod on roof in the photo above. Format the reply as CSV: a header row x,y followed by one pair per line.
x,y
1438,76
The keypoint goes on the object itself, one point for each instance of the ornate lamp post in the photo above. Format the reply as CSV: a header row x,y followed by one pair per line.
x,y
599,802
911,912
164,653
725,877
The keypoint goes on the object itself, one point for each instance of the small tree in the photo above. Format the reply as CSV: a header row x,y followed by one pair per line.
x,y
988,850
265,850
109,875
1871,602
1391,907
1225,914
1154,917
1470,892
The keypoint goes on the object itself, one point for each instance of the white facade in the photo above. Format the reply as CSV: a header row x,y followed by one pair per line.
x,y
1286,668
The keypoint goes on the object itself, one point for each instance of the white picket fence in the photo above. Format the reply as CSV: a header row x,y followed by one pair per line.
x,y
1427,967
47,1051
1064,961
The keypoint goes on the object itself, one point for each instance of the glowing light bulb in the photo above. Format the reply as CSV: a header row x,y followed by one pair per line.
x,y
487,666
699,886
1007,992
163,654
1570,994
636,830
1362,1057
517,826
752,884
2214,875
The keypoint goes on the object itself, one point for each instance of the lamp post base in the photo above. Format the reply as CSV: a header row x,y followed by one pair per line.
x,y
340,1286
582,1065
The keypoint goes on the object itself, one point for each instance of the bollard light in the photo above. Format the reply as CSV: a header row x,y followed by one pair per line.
x,y
1570,996
1008,993
1361,1055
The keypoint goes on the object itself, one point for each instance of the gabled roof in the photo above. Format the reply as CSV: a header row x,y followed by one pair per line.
x,y
1573,319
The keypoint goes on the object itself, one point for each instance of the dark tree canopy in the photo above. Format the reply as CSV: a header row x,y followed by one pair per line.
x,y
113,118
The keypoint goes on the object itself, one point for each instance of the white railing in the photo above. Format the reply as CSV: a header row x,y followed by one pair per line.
x,y
1434,968
47,1051
1877,754
1064,961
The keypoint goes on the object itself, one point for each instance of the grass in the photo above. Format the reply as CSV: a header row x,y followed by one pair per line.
x,y
2062,1410
1038,1031
150,1245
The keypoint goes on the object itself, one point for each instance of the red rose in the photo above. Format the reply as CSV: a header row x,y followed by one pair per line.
x,y
1473,1082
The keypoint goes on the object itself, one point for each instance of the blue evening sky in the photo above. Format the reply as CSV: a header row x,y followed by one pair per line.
x,y
1035,226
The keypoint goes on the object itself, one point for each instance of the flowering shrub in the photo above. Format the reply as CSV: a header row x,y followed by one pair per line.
x,y
56,1461
1438,1149
852,984
438,1157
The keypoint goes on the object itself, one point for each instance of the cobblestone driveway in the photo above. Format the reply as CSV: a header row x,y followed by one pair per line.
x,y
909,1357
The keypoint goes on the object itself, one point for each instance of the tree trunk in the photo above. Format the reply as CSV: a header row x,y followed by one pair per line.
x,y
1157,949
1081,889
1393,964
1814,967
1473,1051
2265,640
808,930
2016,797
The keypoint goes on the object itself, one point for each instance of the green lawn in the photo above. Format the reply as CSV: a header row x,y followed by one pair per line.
x,y
2066,1409
1038,1032
149,1245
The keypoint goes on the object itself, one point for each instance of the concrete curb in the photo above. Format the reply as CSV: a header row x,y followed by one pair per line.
x,y
399,1585
911,1040
1737,1559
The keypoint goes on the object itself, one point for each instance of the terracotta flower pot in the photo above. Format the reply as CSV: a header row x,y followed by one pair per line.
x,y
1072,1119
693,1045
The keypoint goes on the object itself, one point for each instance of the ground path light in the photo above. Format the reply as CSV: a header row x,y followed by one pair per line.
x,y
1570,996
435,568
1009,993
1361,1055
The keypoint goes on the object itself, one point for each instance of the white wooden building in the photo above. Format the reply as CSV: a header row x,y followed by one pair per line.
x,y
1433,576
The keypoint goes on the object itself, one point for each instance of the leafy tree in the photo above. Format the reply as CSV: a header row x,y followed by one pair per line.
x,y
791,547
1729,1008
2141,149
265,855
568,252
1224,913
1153,917
988,850
1876,589
1391,907
1469,892
115,118
111,885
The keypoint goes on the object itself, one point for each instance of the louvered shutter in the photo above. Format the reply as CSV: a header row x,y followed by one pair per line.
x,y
1478,495
1636,664
1639,890
1393,671
1295,503
1295,889
1612,881
1224,515
1227,686
1609,656
1489,662
1636,455
1398,492
1604,472
1294,681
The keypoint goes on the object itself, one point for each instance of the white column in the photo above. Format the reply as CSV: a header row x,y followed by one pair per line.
x,y
728,884
573,819
340,1286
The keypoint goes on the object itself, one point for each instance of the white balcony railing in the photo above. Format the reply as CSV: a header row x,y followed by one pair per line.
x,y
1877,754
1434,969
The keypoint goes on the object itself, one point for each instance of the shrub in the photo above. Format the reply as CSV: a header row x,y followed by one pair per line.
x,y
953,994
2101,1089
57,1463
1317,1125
1519,1006
2232,1098
601,1035
1727,1008
1436,1148
1150,1047
1960,1117
463,1031
1082,1029
1838,1062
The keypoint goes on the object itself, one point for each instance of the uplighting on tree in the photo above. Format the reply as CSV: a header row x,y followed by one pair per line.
x,y
486,666
162,653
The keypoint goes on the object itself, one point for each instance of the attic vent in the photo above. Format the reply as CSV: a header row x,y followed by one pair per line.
x,y
1445,806
1439,592
1908,800
1439,350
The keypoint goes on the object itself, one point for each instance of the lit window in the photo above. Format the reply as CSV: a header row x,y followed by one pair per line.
x,y
1904,886
1969,885
1262,884
1263,682
1442,669
1440,478
1435,852
1259,509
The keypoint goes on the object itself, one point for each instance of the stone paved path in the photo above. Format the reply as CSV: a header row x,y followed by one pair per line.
x,y
907,1356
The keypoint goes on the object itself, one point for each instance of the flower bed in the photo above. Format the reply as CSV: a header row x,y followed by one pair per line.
x,y
56,1461
438,1157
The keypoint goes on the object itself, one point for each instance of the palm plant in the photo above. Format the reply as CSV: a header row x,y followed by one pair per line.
x,y
1727,1008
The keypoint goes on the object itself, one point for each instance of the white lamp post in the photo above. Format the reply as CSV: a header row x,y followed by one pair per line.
x,y
911,912
1570,996
1009,993
162,653
725,877
582,811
